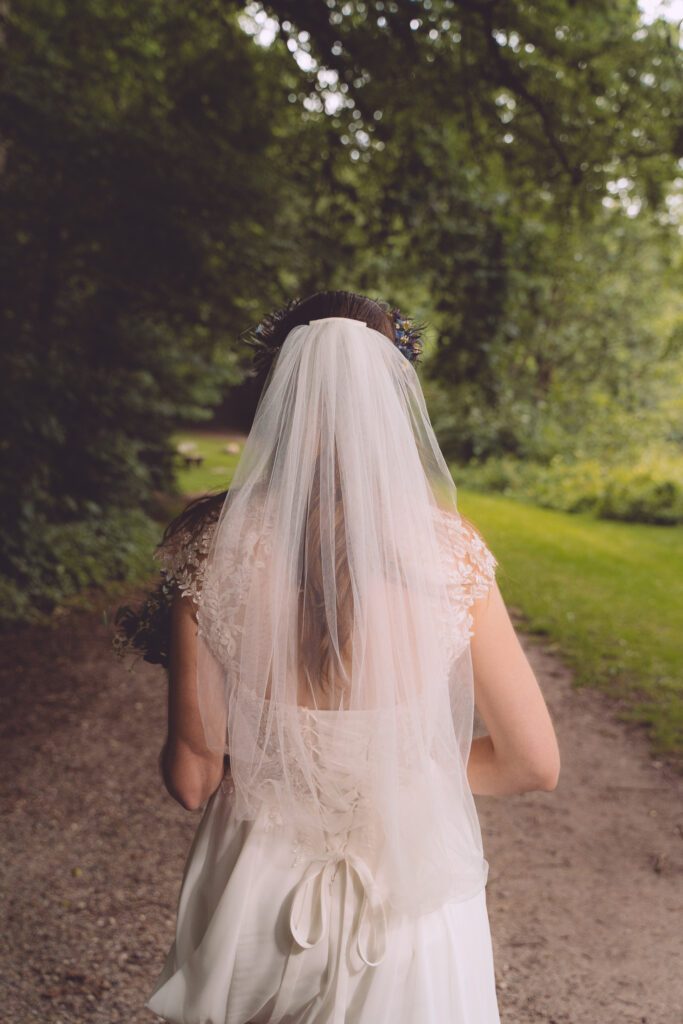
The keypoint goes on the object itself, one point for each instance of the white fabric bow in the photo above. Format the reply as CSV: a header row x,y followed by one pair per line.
x,y
310,919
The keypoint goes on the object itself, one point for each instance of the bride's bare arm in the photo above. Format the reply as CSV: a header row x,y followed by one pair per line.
x,y
191,772
520,752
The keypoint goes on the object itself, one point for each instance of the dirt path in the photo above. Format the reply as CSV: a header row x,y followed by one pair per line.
x,y
584,888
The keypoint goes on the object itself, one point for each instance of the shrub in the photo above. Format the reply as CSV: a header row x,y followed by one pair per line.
x,y
643,494
57,561
649,491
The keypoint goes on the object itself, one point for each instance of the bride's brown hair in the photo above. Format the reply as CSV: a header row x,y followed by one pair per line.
x,y
322,666
268,337
374,312
318,656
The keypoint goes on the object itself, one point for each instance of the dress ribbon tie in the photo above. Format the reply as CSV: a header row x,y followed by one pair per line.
x,y
309,921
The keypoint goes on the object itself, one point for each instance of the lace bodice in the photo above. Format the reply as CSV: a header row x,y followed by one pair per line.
x,y
469,564
345,754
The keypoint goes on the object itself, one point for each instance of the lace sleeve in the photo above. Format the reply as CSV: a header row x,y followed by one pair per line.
x,y
182,558
470,573
471,565
477,563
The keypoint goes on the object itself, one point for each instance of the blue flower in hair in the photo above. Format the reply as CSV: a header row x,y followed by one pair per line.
x,y
407,335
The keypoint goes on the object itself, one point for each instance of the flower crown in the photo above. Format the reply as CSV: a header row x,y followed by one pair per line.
x,y
266,338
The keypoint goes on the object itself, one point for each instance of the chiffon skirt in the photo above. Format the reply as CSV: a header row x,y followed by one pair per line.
x,y
261,941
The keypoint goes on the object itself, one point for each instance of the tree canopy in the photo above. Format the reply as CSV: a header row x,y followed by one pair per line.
x,y
506,171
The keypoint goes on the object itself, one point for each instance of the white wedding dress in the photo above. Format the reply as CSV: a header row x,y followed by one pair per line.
x,y
267,935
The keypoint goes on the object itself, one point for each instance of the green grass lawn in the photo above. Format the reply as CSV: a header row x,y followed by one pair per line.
x,y
215,472
610,594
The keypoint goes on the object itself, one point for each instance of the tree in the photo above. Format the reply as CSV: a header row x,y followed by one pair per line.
x,y
168,179
141,176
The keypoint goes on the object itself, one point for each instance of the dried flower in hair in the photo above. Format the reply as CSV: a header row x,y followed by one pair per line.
x,y
267,337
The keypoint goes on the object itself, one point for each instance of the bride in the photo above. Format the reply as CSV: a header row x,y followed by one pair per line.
x,y
334,622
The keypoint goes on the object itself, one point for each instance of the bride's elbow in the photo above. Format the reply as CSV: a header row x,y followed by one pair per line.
x,y
548,779
190,800
189,796
188,779
544,774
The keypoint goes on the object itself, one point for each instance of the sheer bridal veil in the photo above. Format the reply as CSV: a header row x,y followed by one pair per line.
x,y
333,660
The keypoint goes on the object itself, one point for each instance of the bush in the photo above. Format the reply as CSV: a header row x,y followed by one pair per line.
x,y
642,494
650,491
57,561
573,487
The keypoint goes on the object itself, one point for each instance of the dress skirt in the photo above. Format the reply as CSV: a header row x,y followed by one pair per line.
x,y
261,939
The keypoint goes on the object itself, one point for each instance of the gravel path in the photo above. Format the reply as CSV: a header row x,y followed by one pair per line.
x,y
584,888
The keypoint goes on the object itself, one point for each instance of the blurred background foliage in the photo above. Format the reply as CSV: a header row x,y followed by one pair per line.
x,y
510,173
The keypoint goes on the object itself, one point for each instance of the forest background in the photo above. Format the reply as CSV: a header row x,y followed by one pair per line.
x,y
509,173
